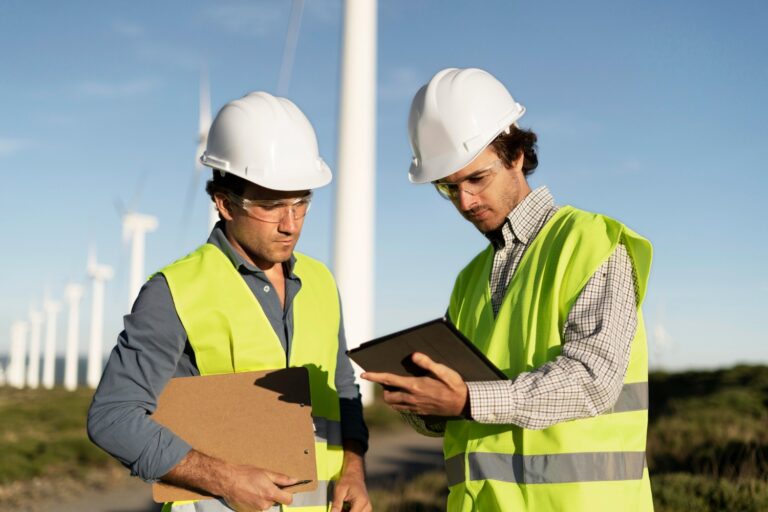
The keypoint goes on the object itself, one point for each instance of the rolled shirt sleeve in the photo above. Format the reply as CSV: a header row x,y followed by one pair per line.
x,y
146,356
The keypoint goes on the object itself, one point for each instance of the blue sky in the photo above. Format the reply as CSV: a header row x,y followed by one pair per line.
x,y
652,112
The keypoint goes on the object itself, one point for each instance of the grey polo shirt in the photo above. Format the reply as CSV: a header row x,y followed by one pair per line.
x,y
154,348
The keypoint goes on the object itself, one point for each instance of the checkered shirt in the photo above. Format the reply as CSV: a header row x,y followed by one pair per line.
x,y
585,380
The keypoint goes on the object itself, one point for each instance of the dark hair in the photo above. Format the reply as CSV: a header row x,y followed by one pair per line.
x,y
508,147
225,183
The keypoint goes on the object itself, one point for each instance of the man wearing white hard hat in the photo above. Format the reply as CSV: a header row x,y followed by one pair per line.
x,y
195,317
553,301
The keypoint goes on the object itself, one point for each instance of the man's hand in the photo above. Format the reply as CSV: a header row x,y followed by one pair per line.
x,y
243,488
441,393
256,489
351,485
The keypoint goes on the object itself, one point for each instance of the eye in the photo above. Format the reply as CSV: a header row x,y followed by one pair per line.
x,y
477,178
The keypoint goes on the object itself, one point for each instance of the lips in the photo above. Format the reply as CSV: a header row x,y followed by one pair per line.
x,y
478,215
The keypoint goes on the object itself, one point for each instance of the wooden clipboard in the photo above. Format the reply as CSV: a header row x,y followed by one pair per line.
x,y
263,419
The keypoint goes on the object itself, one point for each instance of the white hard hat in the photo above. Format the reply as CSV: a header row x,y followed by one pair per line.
x,y
266,140
453,119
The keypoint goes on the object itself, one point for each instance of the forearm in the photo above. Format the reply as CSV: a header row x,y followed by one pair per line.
x,y
561,390
354,457
200,472
147,354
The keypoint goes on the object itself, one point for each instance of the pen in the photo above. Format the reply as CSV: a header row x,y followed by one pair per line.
x,y
300,482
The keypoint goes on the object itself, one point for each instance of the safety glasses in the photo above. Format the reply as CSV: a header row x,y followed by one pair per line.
x,y
273,211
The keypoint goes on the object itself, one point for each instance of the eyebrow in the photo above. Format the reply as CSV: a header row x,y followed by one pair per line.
x,y
455,183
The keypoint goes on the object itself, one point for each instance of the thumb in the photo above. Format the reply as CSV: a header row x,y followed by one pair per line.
x,y
339,493
281,479
440,371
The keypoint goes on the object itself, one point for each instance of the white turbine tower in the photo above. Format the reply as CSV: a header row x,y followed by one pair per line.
x,y
18,354
204,124
355,182
51,310
72,293
135,228
99,275
33,365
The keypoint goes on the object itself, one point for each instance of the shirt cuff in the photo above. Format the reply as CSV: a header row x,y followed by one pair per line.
x,y
353,426
491,401
151,469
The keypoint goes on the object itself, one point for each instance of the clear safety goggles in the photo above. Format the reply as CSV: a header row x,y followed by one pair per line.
x,y
274,211
472,184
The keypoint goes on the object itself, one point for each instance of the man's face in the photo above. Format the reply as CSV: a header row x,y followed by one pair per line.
x,y
260,241
488,208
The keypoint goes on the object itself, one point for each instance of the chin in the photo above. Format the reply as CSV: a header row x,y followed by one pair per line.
x,y
489,225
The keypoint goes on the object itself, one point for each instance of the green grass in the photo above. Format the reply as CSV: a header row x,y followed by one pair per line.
x,y
42,433
685,492
707,442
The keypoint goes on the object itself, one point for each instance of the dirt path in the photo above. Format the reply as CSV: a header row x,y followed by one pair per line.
x,y
393,456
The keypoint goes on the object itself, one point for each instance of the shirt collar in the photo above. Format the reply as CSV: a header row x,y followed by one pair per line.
x,y
525,219
218,238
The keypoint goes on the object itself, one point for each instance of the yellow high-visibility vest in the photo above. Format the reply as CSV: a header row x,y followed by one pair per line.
x,y
591,464
230,333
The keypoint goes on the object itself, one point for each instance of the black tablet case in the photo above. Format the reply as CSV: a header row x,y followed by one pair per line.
x,y
438,339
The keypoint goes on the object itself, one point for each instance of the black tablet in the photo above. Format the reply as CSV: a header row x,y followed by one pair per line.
x,y
438,339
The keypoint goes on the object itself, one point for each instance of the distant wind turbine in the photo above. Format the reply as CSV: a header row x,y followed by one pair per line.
x,y
99,275
135,227
72,293
18,354
33,365
51,309
203,125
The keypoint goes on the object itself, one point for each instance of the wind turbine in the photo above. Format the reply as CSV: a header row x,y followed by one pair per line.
x,y
355,182
18,354
51,309
33,365
135,227
72,293
99,275
204,124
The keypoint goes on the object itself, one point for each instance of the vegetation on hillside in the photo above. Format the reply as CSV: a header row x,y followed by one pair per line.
x,y
707,442
42,433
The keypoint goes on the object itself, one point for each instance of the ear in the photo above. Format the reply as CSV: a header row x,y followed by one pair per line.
x,y
517,163
224,205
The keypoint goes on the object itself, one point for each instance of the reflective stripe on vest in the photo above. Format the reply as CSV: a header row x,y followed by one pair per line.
x,y
487,463
547,469
316,498
633,397
229,332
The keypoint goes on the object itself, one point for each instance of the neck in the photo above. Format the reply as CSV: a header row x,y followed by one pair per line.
x,y
269,267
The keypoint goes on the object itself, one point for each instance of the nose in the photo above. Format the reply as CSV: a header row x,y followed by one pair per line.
x,y
465,201
288,224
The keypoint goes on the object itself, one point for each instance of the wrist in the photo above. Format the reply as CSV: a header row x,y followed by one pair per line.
x,y
354,459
